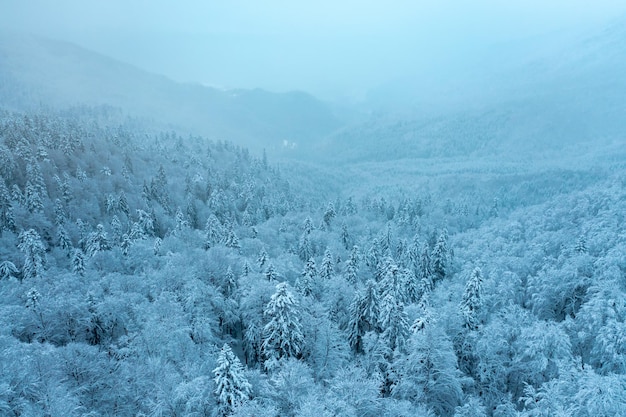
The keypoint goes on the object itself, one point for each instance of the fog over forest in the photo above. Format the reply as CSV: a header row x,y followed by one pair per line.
x,y
319,209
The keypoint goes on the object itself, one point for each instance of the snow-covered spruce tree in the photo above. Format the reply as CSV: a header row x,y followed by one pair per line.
x,y
327,269
232,387
33,199
352,266
213,232
394,321
305,282
329,214
440,257
282,335
472,300
97,241
270,273
364,315
78,262
345,236
392,282
34,253
8,270
231,240
305,249
262,259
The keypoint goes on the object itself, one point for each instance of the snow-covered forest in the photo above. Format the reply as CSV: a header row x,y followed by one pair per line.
x,y
471,263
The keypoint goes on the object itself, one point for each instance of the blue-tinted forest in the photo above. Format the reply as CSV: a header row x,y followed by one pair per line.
x,y
159,259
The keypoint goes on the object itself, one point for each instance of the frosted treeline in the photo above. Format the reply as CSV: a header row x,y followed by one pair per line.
x,y
149,274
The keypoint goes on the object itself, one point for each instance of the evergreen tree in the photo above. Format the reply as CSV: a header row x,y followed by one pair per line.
x,y
78,262
231,385
581,245
305,251
472,300
424,275
440,257
8,270
262,259
282,335
230,283
352,266
329,214
364,315
393,282
63,239
306,280
394,321
158,242
33,199
345,237
327,269
270,273
34,253
213,232
231,240
97,241
307,227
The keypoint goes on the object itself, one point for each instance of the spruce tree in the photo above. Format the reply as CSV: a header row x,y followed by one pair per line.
x,y
78,262
306,280
231,385
34,253
352,266
282,335
327,269
440,257
472,300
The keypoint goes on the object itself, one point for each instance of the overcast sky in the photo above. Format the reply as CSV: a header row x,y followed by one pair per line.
x,y
332,48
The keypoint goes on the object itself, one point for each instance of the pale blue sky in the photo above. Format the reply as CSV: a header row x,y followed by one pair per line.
x,y
329,47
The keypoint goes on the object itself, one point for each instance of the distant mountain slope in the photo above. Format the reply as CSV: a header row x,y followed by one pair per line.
x,y
35,71
548,97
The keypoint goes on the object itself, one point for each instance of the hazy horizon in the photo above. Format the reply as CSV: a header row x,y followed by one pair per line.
x,y
334,51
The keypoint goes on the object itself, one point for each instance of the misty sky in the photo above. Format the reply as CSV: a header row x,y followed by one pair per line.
x,y
329,47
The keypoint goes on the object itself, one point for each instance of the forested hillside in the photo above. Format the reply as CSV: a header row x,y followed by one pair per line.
x,y
153,274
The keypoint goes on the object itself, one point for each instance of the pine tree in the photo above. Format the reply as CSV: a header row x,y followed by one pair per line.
x,y
231,240
304,283
307,226
581,245
231,385
392,283
472,300
424,275
364,315
213,232
282,335
394,322
97,241
230,283
158,242
78,262
329,214
33,199
270,273
305,251
327,269
245,269
63,239
262,259
345,237
352,266
440,257
34,253
8,270
181,222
